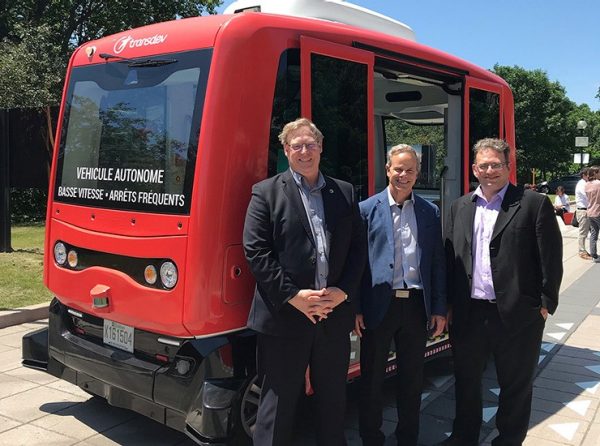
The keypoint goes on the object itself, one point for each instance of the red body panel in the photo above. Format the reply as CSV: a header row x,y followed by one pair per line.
x,y
215,286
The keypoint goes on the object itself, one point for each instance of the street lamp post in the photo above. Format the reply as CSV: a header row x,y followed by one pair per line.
x,y
581,141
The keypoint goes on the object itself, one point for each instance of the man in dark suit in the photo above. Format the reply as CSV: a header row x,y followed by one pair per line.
x,y
304,242
404,288
504,252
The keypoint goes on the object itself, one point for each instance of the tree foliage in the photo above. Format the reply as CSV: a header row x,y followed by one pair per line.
x,y
31,70
543,138
37,37
546,125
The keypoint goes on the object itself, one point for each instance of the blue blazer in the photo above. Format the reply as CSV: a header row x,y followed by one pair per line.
x,y
376,289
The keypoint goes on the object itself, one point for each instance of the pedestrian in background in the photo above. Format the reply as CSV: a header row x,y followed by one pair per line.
x,y
592,191
561,202
581,205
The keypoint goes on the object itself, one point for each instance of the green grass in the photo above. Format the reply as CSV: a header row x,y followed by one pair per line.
x,y
22,270
30,238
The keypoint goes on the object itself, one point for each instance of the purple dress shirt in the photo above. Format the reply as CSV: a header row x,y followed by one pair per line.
x,y
486,214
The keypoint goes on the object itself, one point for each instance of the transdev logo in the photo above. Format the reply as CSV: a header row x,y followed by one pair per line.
x,y
130,42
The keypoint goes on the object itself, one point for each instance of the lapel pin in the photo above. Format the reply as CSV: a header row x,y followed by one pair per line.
x,y
330,191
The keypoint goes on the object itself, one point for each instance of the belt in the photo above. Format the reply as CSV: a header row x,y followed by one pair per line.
x,y
405,293
484,301
582,209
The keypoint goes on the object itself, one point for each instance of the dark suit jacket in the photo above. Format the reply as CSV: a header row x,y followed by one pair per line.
x,y
281,252
376,293
525,251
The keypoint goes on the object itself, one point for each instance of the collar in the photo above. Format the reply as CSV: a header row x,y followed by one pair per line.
x,y
391,200
301,181
479,194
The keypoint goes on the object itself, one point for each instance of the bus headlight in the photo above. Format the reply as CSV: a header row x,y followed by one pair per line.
x,y
72,258
150,274
168,274
60,253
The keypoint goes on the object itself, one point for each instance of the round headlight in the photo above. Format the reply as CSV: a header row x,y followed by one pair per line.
x,y
72,258
60,253
168,274
150,274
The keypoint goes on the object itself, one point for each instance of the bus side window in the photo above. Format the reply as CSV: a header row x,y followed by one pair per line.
x,y
339,109
286,106
484,120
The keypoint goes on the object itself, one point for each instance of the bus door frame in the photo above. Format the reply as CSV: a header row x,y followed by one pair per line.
x,y
311,45
473,83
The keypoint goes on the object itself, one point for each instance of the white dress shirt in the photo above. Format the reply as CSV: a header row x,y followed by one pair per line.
x,y
581,200
407,253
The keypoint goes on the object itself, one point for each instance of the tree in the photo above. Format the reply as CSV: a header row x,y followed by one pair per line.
x,y
31,70
544,134
37,37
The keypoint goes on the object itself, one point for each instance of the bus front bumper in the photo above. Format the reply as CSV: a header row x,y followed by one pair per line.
x,y
132,383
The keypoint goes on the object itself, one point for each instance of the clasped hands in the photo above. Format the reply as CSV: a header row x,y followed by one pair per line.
x,y
317,304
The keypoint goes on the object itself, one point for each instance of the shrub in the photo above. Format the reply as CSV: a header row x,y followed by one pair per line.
x,y
28,205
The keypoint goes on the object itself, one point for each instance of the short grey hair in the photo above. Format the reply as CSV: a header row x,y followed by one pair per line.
x,y
402,148
295,125
495,144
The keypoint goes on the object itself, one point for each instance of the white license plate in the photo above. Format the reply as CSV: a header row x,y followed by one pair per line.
x,y
118,335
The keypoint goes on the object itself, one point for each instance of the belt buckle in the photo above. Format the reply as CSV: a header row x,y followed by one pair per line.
x,y
402,294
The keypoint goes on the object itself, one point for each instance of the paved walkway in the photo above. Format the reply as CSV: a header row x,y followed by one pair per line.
x,y
37,409
566,396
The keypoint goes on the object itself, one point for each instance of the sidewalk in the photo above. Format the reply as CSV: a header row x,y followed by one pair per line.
x,y
566,395
8,318
36,408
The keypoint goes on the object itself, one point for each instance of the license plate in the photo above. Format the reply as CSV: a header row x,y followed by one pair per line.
x,y
118,335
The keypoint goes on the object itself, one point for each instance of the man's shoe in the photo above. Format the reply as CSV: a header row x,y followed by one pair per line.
x,y
596,260
585,256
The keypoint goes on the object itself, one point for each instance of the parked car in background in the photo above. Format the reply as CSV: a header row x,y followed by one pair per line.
x,y
567,181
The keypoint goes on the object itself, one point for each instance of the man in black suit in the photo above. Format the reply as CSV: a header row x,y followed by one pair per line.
x,y
504,252
304,242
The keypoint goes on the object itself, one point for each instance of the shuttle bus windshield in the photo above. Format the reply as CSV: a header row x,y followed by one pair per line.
x,y
130,134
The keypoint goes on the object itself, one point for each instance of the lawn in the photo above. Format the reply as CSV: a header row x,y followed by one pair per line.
x,y
22,270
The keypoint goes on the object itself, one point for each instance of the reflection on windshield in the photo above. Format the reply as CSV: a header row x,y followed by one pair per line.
x,y
132,145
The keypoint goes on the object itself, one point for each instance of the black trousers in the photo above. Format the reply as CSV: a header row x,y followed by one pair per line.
x,y
404,322
516,357
282,363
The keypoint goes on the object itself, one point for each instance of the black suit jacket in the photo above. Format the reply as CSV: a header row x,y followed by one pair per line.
x,y
525,251
281,252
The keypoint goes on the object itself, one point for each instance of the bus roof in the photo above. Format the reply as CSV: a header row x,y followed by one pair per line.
x,y
203,32
331,10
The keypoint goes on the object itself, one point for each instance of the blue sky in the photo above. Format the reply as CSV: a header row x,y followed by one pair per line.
x,y
560,37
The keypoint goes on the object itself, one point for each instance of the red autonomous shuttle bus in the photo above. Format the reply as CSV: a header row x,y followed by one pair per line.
x,y
162,132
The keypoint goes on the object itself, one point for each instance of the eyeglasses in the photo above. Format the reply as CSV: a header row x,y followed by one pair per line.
x,y
495,166
309,146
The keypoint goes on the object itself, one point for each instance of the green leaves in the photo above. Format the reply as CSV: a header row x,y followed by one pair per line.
x,y
545,121
38,36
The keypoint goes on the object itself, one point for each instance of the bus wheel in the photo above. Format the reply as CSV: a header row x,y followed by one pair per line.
x,y
249,405
246,409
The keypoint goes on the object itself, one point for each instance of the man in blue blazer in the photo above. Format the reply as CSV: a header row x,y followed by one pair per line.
x,y
403,294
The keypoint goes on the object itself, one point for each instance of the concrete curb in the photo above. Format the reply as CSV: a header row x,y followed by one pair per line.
x,y
22,315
